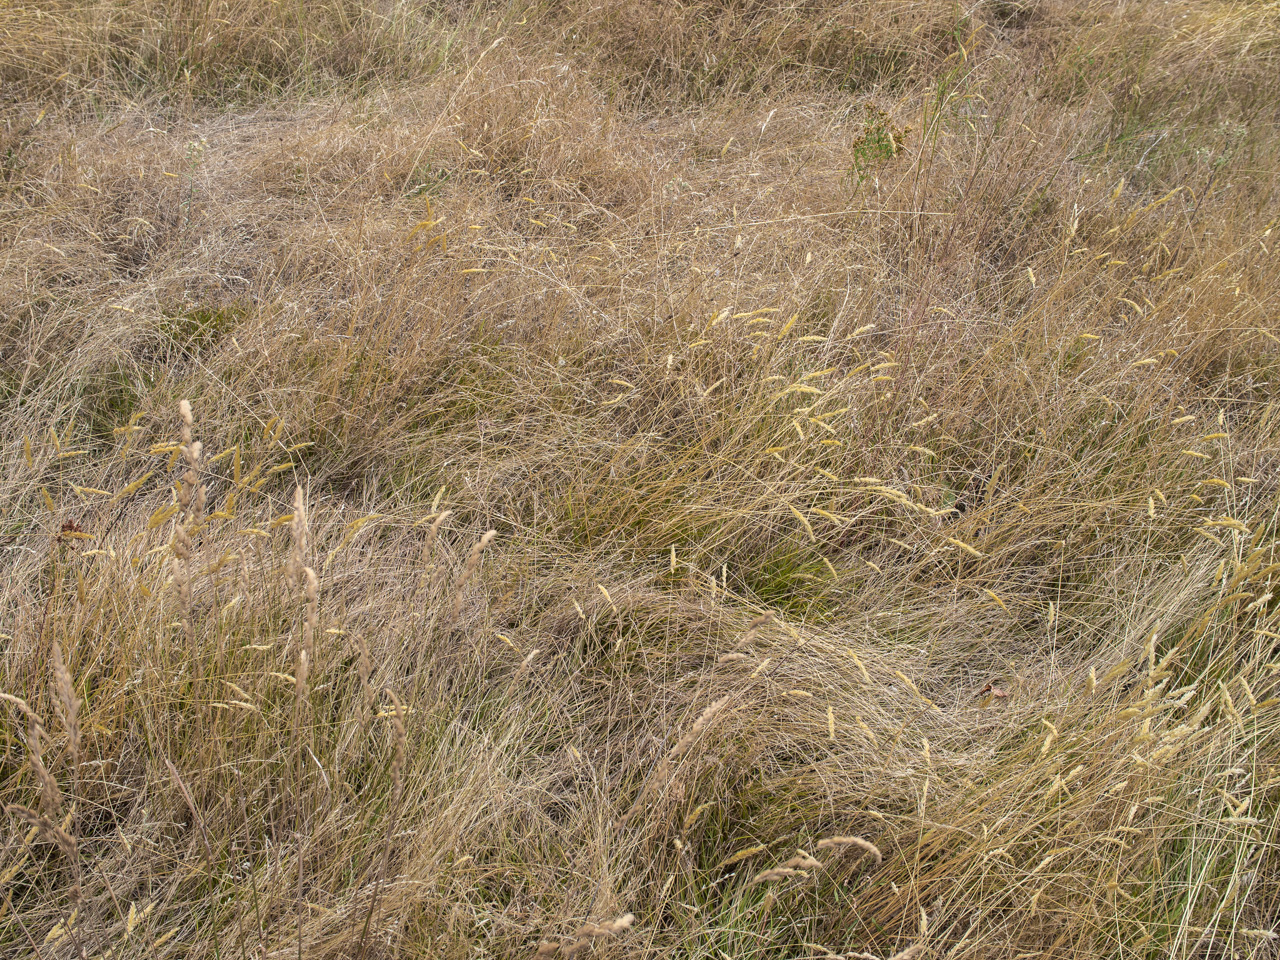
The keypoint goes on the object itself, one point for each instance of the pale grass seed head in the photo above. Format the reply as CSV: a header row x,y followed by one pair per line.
x,y
589,933
698,727
473,563
66,702
298,532
866,846
50,795
399,739
802,861
429,542
777,873
306,650
46,828
754,628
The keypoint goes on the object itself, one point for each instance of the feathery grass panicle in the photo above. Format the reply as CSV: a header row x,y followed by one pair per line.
x,y
777,873
50,795
802,861
399,740
663,772
45,827
429,567
299,538
473,563
67,704
740,855
191,492
191,505
590,933
699,725
754,628
866,846
311,619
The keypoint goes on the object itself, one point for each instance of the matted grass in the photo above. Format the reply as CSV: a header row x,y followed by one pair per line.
x,y
639,479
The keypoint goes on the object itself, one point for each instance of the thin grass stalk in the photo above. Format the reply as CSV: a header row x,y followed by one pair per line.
x,y
397,793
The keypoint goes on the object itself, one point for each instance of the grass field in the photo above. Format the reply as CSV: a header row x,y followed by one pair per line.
x,y
714,479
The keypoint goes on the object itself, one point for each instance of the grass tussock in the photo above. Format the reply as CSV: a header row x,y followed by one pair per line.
x,y
639,479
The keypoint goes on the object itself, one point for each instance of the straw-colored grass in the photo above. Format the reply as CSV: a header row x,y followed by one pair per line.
x,y
697,480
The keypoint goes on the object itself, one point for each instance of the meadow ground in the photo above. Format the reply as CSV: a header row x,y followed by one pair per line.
x,y
717,479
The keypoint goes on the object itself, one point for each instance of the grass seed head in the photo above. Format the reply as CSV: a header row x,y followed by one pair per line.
x,y
66,702
866,846
591,932
777,873
473,563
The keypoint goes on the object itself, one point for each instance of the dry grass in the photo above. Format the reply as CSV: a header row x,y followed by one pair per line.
x,y
510,481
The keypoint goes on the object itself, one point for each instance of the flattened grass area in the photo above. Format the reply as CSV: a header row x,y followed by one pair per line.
x,y
873,404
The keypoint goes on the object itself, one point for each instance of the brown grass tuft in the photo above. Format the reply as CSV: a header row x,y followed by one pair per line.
x,y
728,427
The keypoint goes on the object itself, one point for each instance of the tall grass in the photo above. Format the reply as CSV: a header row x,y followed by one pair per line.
x,y
639,480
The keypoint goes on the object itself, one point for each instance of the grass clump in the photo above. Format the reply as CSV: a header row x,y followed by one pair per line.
x,y
725,479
